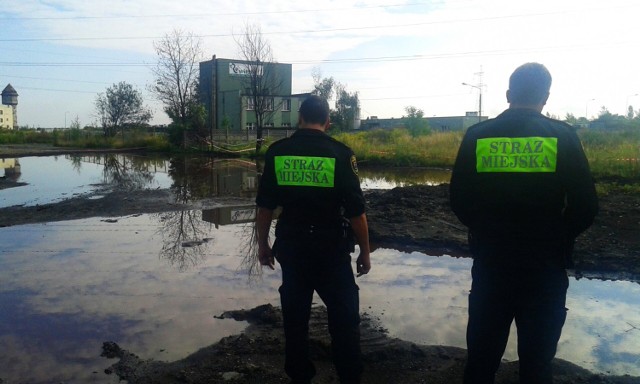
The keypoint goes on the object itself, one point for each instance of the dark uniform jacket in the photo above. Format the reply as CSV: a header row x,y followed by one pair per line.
x,y
521,183
314,179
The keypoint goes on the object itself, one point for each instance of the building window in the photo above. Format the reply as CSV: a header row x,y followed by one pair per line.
x,y
286,125
251,126
268,125
286,105
251,104
269,104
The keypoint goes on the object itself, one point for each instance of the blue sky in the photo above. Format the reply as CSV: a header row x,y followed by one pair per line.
x,y
59,54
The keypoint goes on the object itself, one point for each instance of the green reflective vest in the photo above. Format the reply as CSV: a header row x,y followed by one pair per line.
x,y
517,154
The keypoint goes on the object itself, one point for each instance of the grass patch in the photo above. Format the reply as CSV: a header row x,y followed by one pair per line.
x,y
76,138
398,148
612,155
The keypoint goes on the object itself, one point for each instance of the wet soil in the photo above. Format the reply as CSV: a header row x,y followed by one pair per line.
x,y
256,356
419,218
410,218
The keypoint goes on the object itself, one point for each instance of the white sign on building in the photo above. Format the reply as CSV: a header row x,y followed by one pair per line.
x,y
244,69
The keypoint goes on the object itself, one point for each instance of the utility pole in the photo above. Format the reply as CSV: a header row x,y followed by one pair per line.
x,y
479,87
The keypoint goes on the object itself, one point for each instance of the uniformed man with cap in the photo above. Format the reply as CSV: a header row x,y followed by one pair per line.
x,y
314,178
521,183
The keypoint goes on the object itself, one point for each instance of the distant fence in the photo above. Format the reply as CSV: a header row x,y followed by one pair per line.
x,y
251,135
235,142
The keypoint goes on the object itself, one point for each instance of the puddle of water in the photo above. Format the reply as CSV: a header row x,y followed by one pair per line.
x,y
67,287
51,179
372,178
424,299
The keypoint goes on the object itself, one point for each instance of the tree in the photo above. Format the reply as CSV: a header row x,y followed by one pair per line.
x,y
176,79
630,112
322,87
578,122
415,121
261,79
119,107
610,121
347,110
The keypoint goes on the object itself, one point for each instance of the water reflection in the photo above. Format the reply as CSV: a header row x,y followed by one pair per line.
x,y
387,178
12,168
196,178
123,171
50,179
152,283
53,178
67,287
184,241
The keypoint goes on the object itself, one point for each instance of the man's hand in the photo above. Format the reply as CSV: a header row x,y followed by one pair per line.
x,y
263,224
265,256
363,264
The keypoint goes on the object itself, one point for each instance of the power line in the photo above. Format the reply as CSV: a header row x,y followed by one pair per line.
x,y
201,15
411,97
55,90
345,29
341,61
54,79
53,64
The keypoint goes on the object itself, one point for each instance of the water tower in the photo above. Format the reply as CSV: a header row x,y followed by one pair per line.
x,y
10,97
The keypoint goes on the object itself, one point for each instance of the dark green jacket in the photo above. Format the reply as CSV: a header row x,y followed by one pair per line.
x,y
521,184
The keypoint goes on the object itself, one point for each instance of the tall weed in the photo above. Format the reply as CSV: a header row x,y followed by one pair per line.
x,y
397,147
611,154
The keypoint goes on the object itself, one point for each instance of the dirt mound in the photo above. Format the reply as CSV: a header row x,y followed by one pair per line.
x,y
257,356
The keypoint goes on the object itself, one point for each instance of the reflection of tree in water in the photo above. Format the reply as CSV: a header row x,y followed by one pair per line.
x,y
249,249
122,171
183,241
194,178
76,162
126,173
183,238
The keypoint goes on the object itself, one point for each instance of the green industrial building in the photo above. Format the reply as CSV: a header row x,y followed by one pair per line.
x,y
225,93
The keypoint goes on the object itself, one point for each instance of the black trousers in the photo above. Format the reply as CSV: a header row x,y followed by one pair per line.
x,y
536,299
335,284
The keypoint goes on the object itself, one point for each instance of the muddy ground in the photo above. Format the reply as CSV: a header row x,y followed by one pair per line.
x,y
410,218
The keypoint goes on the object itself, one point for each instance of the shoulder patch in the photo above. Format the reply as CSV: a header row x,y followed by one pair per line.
x,y
354,165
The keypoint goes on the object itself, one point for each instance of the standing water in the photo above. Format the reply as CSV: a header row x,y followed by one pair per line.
x,y
154,285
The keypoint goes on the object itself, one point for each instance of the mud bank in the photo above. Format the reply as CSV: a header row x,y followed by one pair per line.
x,y
256,356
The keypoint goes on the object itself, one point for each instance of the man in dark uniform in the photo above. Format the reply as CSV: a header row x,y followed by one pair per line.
x,y
521,184
314,178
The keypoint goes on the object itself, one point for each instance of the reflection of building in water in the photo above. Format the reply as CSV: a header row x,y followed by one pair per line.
x,y
201,177
238,214
11,168
234,178
230,215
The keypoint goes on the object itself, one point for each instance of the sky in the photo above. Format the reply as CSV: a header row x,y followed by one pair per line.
x,y
60,54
